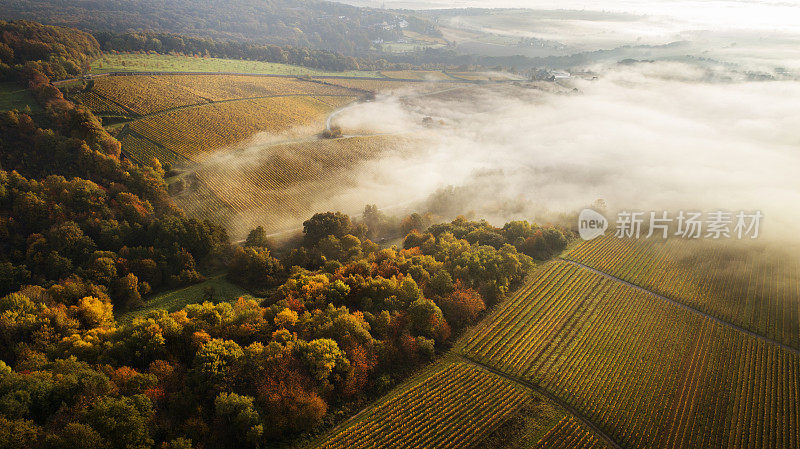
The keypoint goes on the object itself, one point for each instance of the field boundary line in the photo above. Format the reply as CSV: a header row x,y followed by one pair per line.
x,y
687,307
274,75
230,100
546,393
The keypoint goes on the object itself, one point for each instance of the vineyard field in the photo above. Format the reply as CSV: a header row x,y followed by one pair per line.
x,y
454,405
196,132
231,87
148,94
144,95
100,105
755,288
647,372
569,434
137,62
143,151
199,201
285,180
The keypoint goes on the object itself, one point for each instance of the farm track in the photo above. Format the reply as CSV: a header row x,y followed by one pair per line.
x,y
688,307
544,392
230,100
334,77
126,123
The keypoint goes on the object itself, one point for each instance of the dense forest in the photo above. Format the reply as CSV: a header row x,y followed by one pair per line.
x,y
315,24
87,235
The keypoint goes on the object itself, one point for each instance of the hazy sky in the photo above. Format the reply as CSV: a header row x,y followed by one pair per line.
x,y
764,15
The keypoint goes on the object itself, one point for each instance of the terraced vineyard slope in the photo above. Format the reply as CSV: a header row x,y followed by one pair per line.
x,y
148,94
646,371
196,132
181,119
286,180
754,287
455,405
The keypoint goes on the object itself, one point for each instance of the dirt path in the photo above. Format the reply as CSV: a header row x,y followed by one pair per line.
x,y
689,308
274,75
532,386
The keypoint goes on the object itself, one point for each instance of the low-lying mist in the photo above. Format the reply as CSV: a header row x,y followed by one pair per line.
x,y
649,136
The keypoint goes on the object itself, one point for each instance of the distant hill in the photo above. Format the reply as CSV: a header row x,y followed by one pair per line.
x,y
299,23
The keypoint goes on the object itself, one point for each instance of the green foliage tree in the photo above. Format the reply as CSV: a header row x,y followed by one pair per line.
x,y
258,237
123,421
255,268
213,360
76,436
426,319
126,292
322,356
322,225
241,424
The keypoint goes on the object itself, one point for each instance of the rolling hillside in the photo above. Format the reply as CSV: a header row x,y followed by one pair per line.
x,y
203,125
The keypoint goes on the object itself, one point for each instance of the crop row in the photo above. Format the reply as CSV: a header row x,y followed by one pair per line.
x,y
287,173
98,104
145,94
649,373
149,94
569,434
456,406
197,131
198,201
231,87
143,151
280,184
740,284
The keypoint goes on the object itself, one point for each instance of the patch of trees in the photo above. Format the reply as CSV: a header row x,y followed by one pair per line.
x,y
73,210
538,242
82,229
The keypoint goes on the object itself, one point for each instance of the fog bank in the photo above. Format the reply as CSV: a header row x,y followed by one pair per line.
x,y
652,136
